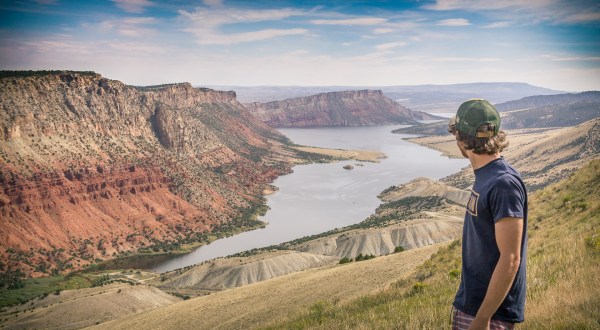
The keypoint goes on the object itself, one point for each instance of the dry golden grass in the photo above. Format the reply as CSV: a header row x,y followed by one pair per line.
x,y
75,309
256,304
564,259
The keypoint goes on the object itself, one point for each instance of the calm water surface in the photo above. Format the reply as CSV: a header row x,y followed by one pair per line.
x,y
320,197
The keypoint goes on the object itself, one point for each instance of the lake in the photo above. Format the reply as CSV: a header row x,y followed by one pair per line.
x,y
319,197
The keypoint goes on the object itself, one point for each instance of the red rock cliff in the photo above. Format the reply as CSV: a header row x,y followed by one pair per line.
x,y
91,168
348,108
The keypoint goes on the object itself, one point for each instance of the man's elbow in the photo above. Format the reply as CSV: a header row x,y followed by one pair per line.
x,y
512,262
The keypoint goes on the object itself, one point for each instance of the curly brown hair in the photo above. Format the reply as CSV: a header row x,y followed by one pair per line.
x,y
484,145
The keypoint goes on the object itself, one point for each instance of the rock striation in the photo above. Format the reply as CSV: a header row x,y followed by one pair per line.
x,y
92,169
346,108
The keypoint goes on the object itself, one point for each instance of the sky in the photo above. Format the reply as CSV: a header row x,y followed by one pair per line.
x,y
548,43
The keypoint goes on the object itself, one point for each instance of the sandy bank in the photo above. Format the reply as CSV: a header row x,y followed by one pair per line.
x,y
360,155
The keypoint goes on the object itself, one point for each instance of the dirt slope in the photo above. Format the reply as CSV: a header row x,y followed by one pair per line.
x,y
233,272
253,305
409,234
75,309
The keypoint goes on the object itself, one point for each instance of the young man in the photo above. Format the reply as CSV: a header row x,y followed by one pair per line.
x,y
494,244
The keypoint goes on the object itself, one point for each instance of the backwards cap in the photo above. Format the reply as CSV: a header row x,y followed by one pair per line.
x,y
474,113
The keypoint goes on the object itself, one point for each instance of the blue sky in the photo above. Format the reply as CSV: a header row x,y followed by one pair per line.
x,y
549,43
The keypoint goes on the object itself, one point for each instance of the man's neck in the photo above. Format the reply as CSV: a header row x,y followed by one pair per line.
x,y
479,161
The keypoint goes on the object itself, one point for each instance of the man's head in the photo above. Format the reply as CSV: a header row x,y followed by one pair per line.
x,y
477,126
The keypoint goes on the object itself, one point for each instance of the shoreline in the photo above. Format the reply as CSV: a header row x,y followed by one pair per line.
x,y
444,144
144,260
372,156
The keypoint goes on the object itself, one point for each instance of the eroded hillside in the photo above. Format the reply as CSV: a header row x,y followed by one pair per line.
x,y
91,168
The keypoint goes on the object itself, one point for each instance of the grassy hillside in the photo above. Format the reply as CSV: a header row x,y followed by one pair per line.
x,y
563,263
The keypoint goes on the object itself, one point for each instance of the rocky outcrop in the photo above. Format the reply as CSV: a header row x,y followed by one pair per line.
x,y
91,168
347,108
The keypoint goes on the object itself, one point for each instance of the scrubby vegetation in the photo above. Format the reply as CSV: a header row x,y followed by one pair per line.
x,y
32,288
39,287
41,73
563,265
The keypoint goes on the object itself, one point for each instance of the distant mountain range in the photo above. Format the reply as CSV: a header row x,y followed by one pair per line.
x,y
540,111
428,98
545,100
345,108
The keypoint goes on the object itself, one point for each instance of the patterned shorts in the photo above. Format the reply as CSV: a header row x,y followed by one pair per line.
x,y
461,321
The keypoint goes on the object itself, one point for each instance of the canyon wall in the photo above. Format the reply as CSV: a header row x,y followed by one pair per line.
x,y
92,169
347,108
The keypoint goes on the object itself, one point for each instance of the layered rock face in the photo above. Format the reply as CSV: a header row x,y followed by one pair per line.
x,y
91,168
347,108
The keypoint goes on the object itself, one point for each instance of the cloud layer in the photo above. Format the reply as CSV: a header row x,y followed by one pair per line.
x,y
552,43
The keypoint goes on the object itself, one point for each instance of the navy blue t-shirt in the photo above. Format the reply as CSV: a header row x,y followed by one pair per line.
x,y
498,192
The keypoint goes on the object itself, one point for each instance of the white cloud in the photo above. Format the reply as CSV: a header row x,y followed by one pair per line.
x,y
465,59
213,3
383,30
138,48
251,36
47,2
133,6
583,17
454,22
390,45
299,52
560,11
204,23
496,25
130,26
362,21
487,4
571,58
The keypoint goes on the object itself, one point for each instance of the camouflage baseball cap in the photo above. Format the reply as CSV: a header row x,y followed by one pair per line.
x,y
472,114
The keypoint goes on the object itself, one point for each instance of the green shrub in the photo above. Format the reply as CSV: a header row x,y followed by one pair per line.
x,y
593,243
418,288
345,260
455,273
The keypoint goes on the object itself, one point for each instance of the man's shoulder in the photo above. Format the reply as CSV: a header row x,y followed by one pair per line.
x,y
507,182
510,169
506,172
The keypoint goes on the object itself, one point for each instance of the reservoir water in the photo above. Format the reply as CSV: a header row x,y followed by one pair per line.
x,y
320,197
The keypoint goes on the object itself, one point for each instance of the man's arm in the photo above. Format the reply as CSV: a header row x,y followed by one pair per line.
x,y
508,237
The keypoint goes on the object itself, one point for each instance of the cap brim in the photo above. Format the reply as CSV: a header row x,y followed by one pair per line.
x,y
452,124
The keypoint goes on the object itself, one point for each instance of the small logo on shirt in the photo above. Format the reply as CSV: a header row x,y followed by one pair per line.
x,y
472,204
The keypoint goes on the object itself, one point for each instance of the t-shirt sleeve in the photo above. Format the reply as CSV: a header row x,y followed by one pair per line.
x,y
507,198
